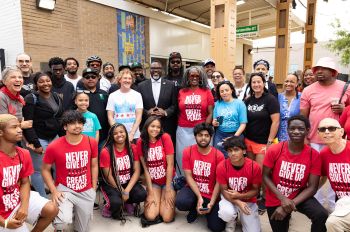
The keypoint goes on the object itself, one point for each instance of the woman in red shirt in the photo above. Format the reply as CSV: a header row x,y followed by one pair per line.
x,y
196,104
156,153
120,169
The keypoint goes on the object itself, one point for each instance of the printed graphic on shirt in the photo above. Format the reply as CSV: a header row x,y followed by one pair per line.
x,y
125,114
10,196
123,164
76,164
339,174
255,108
238,183
193,105
156,163
89,125
291,176
201,173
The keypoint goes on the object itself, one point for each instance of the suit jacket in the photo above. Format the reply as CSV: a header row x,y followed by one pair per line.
x,y
167,101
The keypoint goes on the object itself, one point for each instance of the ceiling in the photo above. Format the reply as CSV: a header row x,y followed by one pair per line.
x,y
252,12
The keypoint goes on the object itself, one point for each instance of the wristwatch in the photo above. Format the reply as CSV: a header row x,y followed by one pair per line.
x,y
269,142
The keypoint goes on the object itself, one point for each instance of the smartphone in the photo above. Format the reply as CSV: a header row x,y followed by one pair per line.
x,y
220,119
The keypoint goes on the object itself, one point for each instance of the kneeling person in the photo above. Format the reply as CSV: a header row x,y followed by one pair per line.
x,y
75,158
291,173
200,162
240,179
17,203
120,168
335,160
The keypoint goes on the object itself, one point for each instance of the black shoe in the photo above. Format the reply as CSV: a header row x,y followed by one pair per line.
x,y
261,206
96,206
192,216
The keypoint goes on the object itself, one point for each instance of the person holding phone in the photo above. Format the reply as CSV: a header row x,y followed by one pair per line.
x,y
230,115
202,191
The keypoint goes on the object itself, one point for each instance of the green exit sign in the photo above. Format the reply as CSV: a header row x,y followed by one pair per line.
x,y
247,31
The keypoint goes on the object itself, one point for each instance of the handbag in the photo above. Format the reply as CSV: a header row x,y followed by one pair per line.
x,y
179,181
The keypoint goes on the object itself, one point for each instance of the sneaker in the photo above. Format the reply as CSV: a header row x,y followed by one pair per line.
x,y
106,212
261,206
230,226
129,208
192,216
96,206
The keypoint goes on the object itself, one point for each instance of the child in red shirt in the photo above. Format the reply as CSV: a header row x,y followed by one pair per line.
x,y
121,169
291,173
240,179
156,153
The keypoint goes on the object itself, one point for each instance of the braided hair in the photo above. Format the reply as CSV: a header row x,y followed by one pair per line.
x,y
109,145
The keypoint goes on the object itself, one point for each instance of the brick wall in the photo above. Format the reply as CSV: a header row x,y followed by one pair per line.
x,y
77,28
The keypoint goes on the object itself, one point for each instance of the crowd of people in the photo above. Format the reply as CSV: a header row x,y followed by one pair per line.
x,y
188,139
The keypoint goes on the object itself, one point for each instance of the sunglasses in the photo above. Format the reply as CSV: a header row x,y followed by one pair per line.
x,y
330,129
90,77
175,62
83,91
215,76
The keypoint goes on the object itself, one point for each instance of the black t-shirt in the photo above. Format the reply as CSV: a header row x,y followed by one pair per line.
x,y
259,120
28,86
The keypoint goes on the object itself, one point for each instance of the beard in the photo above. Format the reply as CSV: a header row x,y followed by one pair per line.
x,y
203,146
109,75
72,71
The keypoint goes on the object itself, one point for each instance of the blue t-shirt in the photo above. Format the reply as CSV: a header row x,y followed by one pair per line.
x,y
285,113
91,125
234,113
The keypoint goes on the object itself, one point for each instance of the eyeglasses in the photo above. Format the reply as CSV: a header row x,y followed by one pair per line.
x,y
330,129
215,76
83,91
175,62
90,77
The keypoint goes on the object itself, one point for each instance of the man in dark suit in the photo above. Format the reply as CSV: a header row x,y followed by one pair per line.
x,y
159,98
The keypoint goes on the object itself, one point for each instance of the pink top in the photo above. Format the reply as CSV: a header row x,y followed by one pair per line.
x,y
318,98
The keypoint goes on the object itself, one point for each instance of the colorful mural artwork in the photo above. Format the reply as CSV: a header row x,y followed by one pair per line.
x,y
131,37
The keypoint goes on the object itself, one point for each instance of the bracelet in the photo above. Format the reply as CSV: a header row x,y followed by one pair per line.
x,y
269,142
125,193
5,223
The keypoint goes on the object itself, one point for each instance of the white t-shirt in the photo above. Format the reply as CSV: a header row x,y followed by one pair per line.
x,y
73,81
124,106
105,84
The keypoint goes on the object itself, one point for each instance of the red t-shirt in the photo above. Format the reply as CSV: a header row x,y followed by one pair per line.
x,y
12,170
203,168
337,168
122,160
73,162
193,106
344,120
290,173
240,180
156,159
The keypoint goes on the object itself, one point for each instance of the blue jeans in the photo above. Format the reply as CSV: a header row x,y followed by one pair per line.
x,y
218,140
37,159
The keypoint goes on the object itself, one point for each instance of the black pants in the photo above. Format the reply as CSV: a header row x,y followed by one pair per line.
x,y
311,208
186,200
113,197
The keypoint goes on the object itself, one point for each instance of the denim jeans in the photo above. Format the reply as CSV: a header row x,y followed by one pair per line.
x,y
37,159
218,140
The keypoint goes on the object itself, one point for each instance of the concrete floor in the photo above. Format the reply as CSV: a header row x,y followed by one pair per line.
x,y
298,223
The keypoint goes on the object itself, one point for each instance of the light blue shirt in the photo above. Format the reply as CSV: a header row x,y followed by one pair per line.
x,y
92,125
234,113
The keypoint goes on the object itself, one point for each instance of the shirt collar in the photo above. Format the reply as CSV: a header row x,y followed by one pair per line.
x,y
156,81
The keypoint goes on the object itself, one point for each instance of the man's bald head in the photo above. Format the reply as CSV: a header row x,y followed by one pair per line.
x,y
330,131
329,122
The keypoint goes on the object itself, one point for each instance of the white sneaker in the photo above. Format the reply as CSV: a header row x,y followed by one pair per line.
x,y
231,226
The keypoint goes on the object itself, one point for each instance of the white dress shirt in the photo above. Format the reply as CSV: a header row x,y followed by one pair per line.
x,y
156,84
